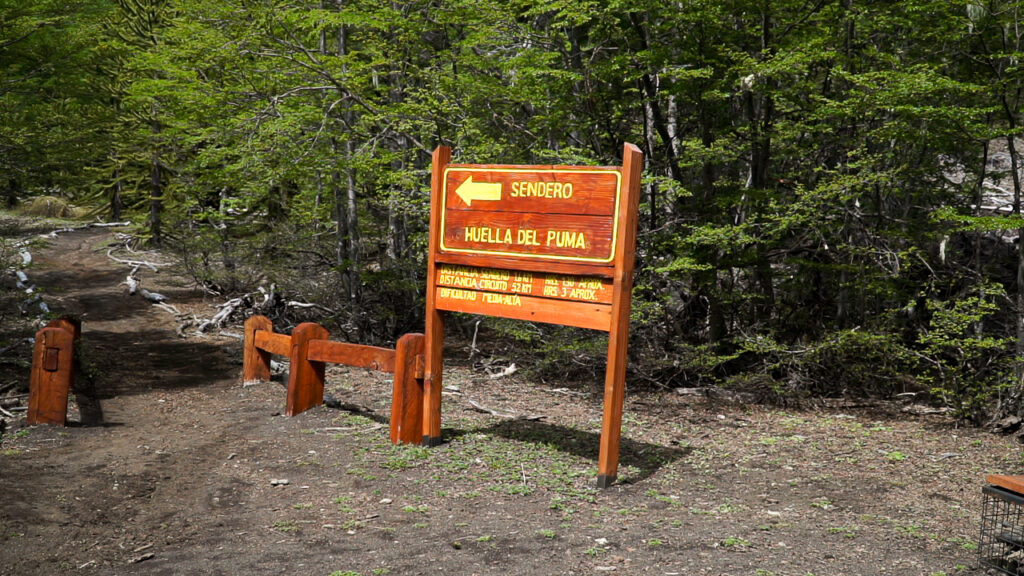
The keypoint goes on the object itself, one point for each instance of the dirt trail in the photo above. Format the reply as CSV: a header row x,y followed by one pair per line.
x,y
101,488
173,467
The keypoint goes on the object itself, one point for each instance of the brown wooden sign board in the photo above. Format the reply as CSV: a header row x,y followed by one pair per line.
x,y
551,244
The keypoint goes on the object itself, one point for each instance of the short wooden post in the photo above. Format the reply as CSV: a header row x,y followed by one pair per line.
x,y
73,325
255,362
51,377
407,398
306,378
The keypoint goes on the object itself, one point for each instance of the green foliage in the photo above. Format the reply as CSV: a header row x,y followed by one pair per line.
x,y
965,364
808,166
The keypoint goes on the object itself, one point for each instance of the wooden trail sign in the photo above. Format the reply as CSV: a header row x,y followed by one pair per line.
x,y
551,244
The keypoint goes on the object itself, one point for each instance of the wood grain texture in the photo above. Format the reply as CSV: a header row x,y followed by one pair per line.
x,y
542,236
557,286
566,313
1011,483
50,381
527,265
407,394
434,334
536,189
356,355
256,361
305,377
618,337
274,343
73,325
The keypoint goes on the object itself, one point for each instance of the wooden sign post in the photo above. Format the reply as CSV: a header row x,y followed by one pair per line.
x,y
551,244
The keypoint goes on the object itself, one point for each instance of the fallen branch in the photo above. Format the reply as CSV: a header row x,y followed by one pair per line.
x,y
109,224
296,304
503,414
920,410
226,309
53,233
564,391
180,330
154,297
510,370
347,431
268,296
168,307
132,282
135,263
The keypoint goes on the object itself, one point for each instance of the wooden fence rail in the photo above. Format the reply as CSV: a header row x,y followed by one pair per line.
x,y
309,350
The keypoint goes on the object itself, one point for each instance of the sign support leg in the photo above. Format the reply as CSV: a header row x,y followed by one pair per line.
x,y
432,382
434,343
611,424
618,333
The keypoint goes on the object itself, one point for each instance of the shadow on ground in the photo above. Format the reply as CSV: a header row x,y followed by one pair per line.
x,y
647,458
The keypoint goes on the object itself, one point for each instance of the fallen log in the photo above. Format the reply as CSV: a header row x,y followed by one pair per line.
x,y
53,233
226,309
297,304
154,297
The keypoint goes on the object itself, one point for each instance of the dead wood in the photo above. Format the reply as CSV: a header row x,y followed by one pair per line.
x,y
510,414
151,265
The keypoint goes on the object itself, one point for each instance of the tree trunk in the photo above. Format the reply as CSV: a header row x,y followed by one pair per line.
x,y
1014,169
352,225
156,195
226,253
351,209
116,203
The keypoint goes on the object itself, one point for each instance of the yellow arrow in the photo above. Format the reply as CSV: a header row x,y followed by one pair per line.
x,y
470,191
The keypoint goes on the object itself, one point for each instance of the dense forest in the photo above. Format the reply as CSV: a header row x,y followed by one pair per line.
x,y
831,195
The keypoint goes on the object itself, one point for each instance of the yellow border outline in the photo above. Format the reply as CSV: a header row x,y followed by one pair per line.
x,y
526,169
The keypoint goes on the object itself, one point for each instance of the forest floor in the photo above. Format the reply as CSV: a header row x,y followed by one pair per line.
x,y
180,469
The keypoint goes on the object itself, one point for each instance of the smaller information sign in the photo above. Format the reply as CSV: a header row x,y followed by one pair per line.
x,y
559,286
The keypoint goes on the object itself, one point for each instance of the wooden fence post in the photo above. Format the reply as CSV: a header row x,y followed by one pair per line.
x,y
255,362
52,361
73,325
306,378
407,397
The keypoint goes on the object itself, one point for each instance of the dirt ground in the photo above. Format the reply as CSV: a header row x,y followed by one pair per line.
x,y
172,466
